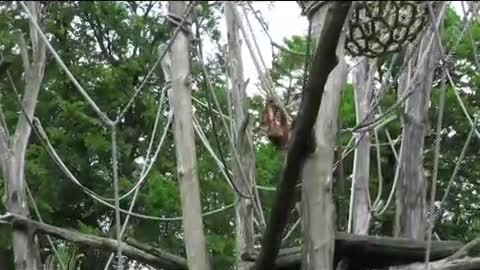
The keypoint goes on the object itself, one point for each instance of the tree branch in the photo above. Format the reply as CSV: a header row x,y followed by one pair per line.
x,y
370,252
301,145
33,79
160,259
465,249
97,32
463,264
23,51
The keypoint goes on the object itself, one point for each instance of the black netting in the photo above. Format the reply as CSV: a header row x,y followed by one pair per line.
x,y
378,27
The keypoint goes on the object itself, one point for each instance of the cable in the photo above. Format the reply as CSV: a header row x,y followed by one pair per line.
x,y
37,128
256,205
117,201
145,170
210,115
82,91
159,59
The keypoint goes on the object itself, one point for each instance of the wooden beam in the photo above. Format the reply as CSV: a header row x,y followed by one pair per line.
x,y
371,252
151,256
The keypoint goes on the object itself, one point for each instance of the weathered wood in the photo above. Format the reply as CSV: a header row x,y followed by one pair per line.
x,y
359,216
458,264
371,252
152,256
318,208
412,186
25,247
368,252
181,100
245,234
300,146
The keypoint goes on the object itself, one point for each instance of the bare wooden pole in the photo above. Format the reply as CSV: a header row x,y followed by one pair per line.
x,y
318,208
181,101
25,247
245,234
359,216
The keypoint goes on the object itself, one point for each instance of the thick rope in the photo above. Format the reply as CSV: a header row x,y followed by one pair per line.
x,y
82,91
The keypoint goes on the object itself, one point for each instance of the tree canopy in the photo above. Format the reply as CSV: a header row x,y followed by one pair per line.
x,y
111,46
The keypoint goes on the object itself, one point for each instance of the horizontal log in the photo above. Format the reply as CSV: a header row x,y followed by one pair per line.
x,y
155,258
371,252
457,264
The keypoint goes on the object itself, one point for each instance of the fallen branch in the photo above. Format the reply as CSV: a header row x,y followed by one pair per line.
x,y
465,249
156,258
369,252
462,264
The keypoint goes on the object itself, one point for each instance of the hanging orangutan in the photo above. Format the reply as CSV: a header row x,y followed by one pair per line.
x,y
275,124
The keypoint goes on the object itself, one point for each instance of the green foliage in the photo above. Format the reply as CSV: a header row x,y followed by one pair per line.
x,y
110,46
68,256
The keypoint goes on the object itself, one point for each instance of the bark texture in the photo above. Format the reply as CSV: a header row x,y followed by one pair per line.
x,y
318,207
360,199
300,146
372,252
25,245
245,234
141,252
195,242
412,187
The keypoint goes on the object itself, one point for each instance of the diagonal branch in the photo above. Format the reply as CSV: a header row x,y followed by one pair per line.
x,y
162,260
82,91
300,146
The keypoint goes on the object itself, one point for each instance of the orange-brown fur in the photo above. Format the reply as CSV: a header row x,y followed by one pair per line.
x,y
276,125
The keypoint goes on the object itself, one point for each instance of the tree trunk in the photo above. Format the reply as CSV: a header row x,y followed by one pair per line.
x,y
195,242
317,202
25,246
245,234
302,145
359,216
412,187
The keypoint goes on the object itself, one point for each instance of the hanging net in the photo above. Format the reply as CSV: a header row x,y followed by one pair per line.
x,y
378,27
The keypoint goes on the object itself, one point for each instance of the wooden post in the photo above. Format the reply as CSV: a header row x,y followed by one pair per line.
x,y
181,100
318,207
359,216
410,217
245,234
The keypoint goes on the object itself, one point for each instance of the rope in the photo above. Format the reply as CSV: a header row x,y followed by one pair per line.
x,y
379,169
210,115
145,169
220,164
37,128
82,91
446,71
435,168
117,201
457,166
265,30
210,88
37,213
177,30
105,119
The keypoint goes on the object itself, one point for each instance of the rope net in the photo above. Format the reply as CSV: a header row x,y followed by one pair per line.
x,y
375,28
